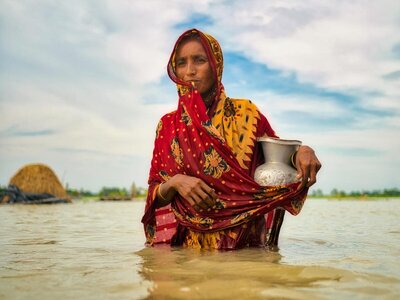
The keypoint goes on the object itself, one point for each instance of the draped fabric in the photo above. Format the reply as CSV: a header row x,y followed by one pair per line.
x,y
219,146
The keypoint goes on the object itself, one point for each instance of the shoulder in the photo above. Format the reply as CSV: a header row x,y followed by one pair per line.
x,y
248,109
167,117
243,103
165,122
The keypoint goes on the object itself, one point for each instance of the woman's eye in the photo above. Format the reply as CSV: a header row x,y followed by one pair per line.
x,y
180,63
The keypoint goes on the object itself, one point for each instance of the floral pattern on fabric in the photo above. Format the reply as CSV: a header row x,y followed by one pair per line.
x,y
214,164
229,108
241,217
212,130
185,117
164,175
204,222
219,204
269,192
176,151
217,54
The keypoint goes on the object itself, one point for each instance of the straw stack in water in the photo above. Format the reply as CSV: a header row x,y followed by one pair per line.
x,y
39,178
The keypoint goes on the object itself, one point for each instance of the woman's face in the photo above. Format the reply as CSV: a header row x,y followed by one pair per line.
x,y
192,65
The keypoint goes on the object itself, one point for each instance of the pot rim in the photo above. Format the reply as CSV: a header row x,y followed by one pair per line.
x,y
278,141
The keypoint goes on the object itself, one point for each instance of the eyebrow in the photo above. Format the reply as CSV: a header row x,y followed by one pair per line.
x,y
193,56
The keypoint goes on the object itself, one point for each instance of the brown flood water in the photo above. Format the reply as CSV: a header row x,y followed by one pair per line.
x,y
94,250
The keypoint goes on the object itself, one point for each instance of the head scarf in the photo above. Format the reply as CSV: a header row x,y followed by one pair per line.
x,y
214,54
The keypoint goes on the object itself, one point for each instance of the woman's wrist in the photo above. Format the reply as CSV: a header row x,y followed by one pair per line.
x,y
159,193
166,191
162,196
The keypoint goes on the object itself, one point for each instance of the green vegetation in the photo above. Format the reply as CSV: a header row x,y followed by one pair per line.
x,y
140,192
113,191
340,194
75,193
136,192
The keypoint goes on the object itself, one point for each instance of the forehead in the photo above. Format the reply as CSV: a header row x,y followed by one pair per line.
x,y
190,48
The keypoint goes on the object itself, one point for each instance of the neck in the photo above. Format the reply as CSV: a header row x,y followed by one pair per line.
x,y
208,97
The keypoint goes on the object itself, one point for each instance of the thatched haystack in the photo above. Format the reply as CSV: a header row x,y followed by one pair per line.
x,y
39,178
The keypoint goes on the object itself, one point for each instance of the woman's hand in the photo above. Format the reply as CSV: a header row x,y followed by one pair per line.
x,y
193,189
307,165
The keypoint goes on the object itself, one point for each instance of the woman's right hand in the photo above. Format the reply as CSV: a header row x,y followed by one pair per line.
x,y
193,189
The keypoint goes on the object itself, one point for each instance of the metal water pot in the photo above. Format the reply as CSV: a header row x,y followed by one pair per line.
x,y
277,169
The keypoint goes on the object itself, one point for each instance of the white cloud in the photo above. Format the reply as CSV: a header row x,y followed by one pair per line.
x,y
338,45
85,69
279,103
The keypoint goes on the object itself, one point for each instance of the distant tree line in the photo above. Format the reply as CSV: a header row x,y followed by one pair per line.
x,y
135,192
139,192
75,193
336,193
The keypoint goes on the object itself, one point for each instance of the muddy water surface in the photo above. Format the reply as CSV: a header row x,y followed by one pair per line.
x,y
94,250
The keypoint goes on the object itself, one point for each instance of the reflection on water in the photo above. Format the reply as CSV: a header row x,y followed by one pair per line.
x,y
333,250
251,273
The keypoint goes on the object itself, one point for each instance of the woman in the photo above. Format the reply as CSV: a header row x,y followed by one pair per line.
x,y
201,188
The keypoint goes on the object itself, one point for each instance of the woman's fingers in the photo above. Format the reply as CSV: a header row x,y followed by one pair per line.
x,y
199,203
210,192
312,178
314,168
214,196
204,193
308,166
205,198
303,174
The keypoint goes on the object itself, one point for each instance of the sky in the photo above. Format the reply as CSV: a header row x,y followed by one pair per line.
x,y
83,83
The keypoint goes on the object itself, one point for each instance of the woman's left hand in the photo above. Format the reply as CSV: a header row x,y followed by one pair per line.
x,y
307,165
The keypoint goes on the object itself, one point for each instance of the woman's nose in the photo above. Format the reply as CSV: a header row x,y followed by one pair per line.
x,y
191,69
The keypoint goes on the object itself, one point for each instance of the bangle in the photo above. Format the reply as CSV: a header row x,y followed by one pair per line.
x,y
292,159
159,192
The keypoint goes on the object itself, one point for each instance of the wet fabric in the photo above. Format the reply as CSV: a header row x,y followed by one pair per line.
x,y
217,145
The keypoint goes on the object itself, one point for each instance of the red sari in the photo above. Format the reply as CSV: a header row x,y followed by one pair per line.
x,y
219,146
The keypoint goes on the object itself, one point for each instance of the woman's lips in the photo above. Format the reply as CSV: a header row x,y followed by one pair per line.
x,y
193,82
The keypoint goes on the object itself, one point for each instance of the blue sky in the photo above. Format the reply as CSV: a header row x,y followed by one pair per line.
x,y
83,83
